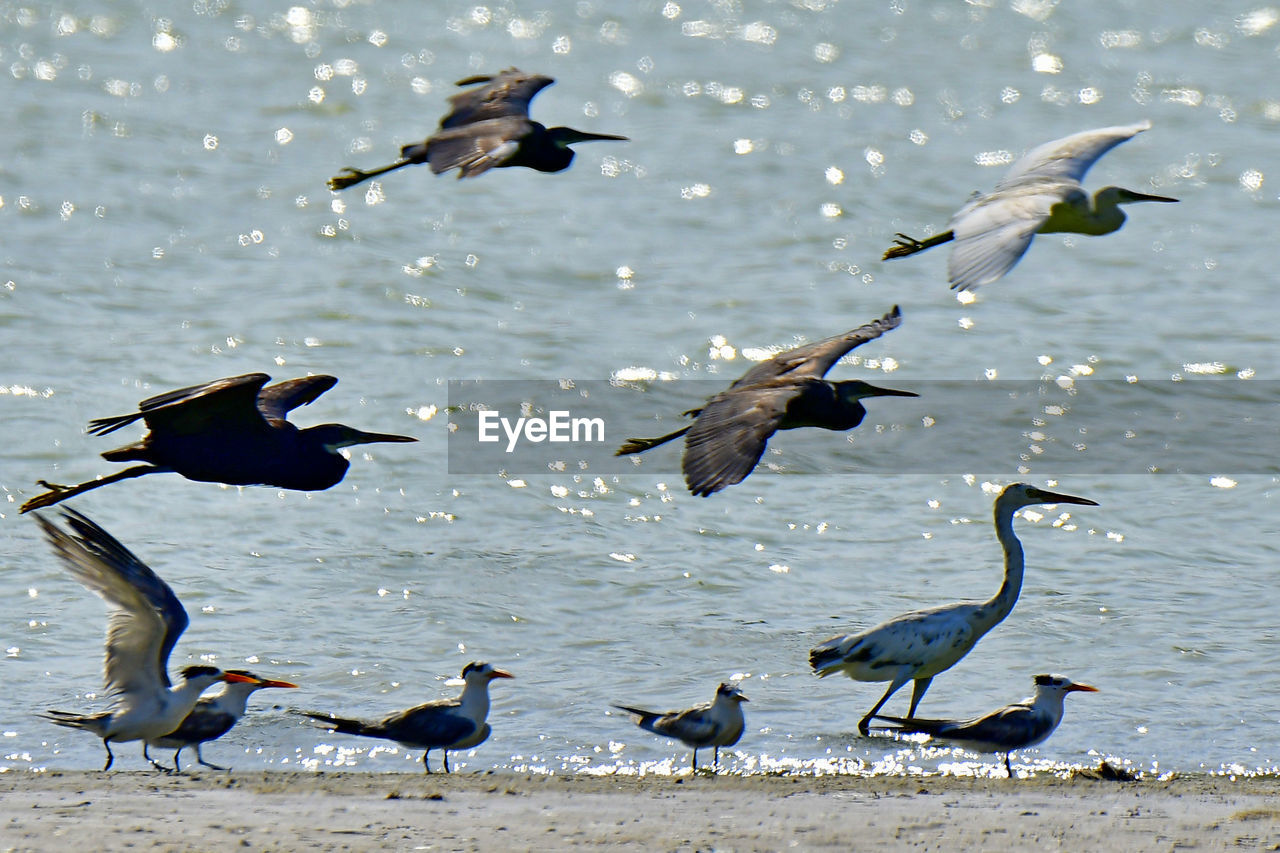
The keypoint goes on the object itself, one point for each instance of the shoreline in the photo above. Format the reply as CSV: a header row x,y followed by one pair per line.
x,y
282,810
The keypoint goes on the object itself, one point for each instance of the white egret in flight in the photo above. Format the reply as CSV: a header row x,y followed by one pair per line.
x,y
1041,194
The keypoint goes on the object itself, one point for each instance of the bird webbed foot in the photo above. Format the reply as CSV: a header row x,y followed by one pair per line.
x,y
349,177
903,245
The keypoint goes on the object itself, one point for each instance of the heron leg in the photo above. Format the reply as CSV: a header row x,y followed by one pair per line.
x,y
917,693
58,494
111,758
349,177
904,245
200,760
864,725
640,445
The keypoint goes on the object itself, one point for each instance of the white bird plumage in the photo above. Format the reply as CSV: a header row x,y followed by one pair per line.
x,y
717,723
918,645
1015,726
1042,194
145,623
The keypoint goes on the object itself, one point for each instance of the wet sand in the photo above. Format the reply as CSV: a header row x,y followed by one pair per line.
x,y
500,811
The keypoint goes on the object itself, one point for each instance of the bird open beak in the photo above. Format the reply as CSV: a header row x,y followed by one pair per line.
x,y
266,682
1083,688
501,673
1056,498
235,676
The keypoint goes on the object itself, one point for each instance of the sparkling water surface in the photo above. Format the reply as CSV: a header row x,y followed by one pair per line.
x,y
167,222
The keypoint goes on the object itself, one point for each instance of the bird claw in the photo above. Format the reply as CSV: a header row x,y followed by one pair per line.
x,y
348,177
55,493
903,245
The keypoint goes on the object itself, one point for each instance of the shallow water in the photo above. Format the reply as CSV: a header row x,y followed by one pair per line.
x,y
166,222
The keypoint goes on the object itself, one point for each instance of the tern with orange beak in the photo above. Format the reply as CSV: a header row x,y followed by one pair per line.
x,y
1015,726
918,645
444,724
231,431
214,716
1041,194
145,623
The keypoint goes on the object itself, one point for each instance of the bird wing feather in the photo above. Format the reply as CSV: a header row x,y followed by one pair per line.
x,y
276,401
993,232
1012,726
146,619
817,358
729,436
1070,157
507,93
432,724
231,403
476,148
694,725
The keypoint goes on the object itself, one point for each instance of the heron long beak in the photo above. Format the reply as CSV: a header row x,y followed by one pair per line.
x,y
1128,196
235,676
372,437
500,673
876,391
1083,688
570,136
1056,498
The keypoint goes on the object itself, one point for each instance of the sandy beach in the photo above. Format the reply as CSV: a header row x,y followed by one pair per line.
x,y
495,811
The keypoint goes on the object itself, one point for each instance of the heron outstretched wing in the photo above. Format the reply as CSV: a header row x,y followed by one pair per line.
x,y
1070,157
476,148
276,401
231,402
817,358
505,94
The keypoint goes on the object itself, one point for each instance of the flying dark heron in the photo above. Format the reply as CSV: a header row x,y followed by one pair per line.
x,y
442,724
1041,194
488,128
231,431
729,433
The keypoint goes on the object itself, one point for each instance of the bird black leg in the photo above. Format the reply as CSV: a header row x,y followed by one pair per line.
x,y
446,761
111,758
1007,766
58,494
917,693
693,764
426,761
177,763
715,760
904,245
156,764
200,760
640,445
350,177
864,725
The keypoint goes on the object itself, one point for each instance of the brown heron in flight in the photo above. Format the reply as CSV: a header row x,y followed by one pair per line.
x,y
488,128
729,433
231,431
1041,194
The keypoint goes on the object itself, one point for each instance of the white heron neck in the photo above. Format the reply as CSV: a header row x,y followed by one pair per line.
x,y
999,605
